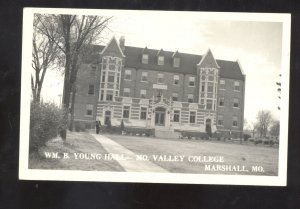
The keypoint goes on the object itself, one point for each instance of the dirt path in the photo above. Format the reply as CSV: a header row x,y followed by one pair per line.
x,y
125,157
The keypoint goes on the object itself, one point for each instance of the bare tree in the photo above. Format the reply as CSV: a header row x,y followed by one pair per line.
x,y
77,33
44,53
264,120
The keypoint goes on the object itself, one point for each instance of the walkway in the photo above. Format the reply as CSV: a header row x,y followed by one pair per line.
x,y
130,164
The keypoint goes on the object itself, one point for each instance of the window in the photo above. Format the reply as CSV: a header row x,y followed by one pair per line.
x,y
116,93
91,90
89,109
192,117
126,92
210,87
203,78
126,111
109,95
160,60
93,70
160,78
143,113
190,98
235,121
176,79
176,116
236,102
111,78
221,101
145,58
202,87
211,78
237,86
209,104
103,77
175,96
202,101
102,95
176,62
127,74
191,81
222,84
220,120
143,93
144,76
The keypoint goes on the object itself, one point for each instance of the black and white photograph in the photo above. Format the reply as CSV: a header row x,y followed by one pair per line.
x,y
154,96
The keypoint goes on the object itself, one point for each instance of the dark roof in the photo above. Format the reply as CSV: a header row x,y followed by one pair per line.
x,y
188,62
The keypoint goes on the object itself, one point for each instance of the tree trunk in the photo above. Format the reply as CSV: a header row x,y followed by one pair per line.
x,y
72,108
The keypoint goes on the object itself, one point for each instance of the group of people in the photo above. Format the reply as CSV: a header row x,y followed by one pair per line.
x,y
98,125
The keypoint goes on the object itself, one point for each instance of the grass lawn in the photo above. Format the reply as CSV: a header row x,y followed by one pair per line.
x,y
75,143
234,154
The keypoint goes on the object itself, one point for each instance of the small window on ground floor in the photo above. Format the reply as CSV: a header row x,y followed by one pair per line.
x,y
143,113
192,117
89,109
176,116
126,111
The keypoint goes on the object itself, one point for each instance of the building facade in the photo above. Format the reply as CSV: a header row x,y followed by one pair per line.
x,y
160,89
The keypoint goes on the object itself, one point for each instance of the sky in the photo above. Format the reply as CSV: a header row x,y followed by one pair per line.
x,y
256,44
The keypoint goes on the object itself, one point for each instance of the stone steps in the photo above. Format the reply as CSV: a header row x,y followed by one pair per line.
x,y
166,134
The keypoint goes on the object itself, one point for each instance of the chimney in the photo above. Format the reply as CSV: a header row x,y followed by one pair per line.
x,y
122,43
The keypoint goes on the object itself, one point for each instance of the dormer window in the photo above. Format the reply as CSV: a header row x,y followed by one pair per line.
x,y
160,60
176,62
145,58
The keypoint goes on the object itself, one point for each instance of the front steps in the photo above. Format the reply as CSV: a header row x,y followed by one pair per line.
x,y
166,133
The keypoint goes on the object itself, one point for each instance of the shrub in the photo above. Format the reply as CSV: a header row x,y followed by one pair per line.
x,y
46,120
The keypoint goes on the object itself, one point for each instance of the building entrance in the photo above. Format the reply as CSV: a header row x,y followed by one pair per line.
x,y
160,114
107,117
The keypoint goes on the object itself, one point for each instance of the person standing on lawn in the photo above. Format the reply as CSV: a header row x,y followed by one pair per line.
x,y
97,126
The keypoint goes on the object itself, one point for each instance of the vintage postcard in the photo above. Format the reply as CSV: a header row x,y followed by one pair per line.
x,y
154,96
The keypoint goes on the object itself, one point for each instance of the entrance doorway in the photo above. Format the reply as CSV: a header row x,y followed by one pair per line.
x,y
107,117
208,127
160,114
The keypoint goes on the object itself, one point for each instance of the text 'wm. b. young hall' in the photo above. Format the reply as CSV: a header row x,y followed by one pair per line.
x,y
168,92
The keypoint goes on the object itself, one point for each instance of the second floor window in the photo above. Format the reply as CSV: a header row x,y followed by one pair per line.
x,y
220,120
160,78
237,86
176,79
89,109
192,81
236,102
234,121
190,98
222,84
221,101
209,104
144,76
103,77
109,95
175,96
126,92
127,74
143,93
91,90
210,87
111,78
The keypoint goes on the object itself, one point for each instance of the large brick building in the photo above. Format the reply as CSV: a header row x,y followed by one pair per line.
x,y
160,89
